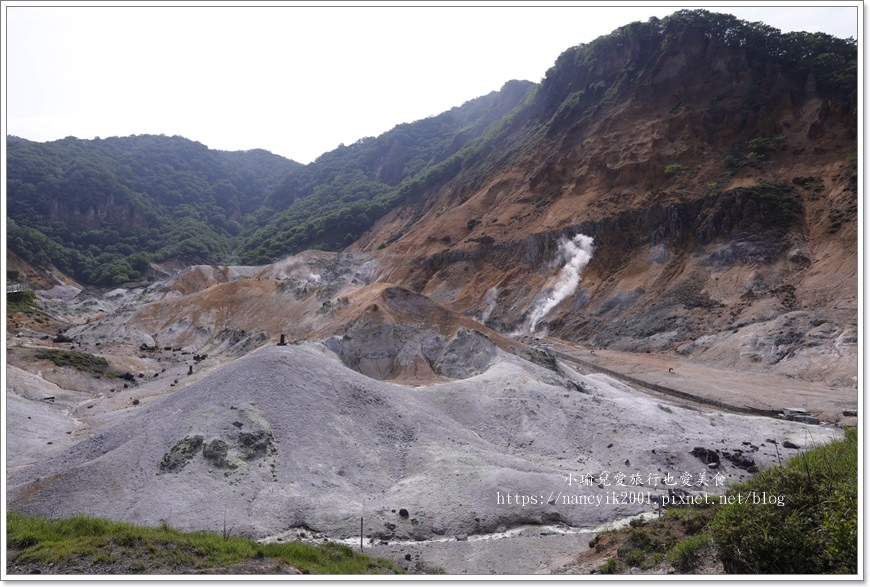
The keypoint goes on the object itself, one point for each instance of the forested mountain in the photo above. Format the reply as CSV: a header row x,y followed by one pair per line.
x,y
101,210
331,202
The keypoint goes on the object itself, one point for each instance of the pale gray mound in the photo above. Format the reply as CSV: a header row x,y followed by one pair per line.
x,y
288,436
38,420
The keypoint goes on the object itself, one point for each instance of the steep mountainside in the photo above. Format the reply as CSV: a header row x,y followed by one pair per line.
x,y
712,161
331,202
624,272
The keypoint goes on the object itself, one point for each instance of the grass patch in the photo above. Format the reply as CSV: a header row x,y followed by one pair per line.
x,y
140,548
82,361
687,553
21,301
815,531
674,169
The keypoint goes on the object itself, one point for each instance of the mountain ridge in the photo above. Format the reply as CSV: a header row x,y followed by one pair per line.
x,y
712,161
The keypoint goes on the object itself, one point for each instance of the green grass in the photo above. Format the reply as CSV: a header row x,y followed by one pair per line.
x,y
674,169
81,361
68,540
686,554
21,301
814,531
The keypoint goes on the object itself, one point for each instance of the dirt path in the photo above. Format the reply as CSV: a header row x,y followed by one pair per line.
x,y
765,391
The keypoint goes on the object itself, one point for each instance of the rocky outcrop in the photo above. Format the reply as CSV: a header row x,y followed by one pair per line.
x,y
127,216
386,350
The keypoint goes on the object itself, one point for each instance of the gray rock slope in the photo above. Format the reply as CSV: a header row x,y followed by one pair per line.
x,y
289,436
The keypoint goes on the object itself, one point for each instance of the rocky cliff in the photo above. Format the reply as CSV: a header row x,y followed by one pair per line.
x,y
718,183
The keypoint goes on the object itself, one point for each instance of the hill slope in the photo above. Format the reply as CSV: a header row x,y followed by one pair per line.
x,y
676,202
712,161
100,210
288,436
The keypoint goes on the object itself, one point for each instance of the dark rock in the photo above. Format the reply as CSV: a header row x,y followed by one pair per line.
x,y
254,444
181,454
706,455
216,451
788,444
741,461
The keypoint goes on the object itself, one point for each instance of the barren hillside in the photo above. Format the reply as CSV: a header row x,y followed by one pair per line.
x,y
629,269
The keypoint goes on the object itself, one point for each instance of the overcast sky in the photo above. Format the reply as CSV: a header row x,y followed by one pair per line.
x,y
298,81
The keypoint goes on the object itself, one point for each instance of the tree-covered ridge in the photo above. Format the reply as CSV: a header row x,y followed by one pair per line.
x,y
833,62
331,202
102,209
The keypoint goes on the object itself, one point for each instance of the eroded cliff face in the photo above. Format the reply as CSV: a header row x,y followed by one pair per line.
x,y
127,216
720,192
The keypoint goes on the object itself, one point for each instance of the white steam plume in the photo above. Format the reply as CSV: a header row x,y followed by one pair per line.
x,y
577,252
490,298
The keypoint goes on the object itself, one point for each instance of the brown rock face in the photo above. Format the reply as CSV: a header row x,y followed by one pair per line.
x,y
700,171
126,216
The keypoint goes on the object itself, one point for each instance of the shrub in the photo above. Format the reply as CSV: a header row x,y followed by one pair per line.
x,y
686,553
813,532
81,361
611,567
731,162
21,300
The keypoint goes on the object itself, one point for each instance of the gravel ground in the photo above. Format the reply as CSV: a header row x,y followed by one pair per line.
x,y
532,551
288,436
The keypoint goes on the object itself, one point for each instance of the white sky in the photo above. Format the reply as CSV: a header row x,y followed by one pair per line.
x,y
296,80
